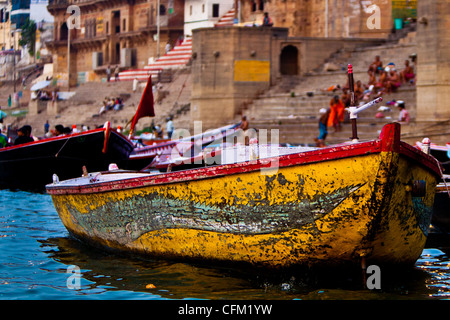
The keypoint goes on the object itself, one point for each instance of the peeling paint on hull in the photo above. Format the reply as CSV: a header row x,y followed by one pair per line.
x,y
306,213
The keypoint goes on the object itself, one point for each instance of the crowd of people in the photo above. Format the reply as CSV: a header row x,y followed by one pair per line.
x,y
115,104
44,95
24,134
386,79
382,80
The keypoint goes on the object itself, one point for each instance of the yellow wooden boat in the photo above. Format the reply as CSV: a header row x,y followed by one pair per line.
x,y
330,206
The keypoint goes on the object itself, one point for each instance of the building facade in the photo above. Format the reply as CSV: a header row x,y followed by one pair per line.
x,y
323,18
125,32
104,33
204,13
9,31
20,12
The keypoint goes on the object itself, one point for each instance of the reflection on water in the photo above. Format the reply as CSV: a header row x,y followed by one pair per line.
x,y
112,275
436,263
36,251
173,280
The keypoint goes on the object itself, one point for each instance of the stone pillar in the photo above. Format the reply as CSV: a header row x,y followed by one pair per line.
x,y
36,106
53,108
433,60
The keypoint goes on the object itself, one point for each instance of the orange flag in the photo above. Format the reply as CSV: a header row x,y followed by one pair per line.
x,y
145,108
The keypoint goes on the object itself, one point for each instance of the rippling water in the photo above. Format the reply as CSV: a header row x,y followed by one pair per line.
x,y
36,252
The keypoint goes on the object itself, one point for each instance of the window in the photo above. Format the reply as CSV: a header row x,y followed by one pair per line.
x,y
124,25
190,10
162,10
215,10
257,5
203,8
64,31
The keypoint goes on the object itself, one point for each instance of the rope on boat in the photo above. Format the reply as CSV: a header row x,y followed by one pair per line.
x,y
56,155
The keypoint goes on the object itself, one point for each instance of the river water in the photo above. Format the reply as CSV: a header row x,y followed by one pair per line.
x,y
40,261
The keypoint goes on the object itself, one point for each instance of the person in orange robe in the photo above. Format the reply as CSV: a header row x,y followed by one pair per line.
x,y
337,112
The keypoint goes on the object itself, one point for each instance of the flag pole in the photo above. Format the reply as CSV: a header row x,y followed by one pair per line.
x,y
351,85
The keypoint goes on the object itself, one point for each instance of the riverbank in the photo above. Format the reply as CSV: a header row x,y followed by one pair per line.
x,y
82,109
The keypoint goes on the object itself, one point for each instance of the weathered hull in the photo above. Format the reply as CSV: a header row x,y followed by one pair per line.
x,y
326,207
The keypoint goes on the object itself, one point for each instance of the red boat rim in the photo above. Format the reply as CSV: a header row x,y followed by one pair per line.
x,y
389,142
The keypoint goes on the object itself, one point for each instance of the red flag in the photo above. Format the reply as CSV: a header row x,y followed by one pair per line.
x,y
145,108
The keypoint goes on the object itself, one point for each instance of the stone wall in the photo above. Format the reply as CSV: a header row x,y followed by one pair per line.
x,y
324,18
36,106
433,60
314,51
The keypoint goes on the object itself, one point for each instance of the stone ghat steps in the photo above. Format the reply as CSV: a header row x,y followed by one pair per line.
x,y
293,105
360,58
227,19
85,104
283,105
176,58
305,133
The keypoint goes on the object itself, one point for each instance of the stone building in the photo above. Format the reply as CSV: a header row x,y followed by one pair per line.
x,y
323,18
9,38
123,32
110,32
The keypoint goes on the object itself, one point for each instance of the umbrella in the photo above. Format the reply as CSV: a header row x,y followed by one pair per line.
x,y
40,85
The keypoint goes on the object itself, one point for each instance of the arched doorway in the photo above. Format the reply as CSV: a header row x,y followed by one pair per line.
x,y
289,60
63,35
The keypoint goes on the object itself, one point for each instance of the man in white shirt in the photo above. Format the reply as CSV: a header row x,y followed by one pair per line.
x,y
169,127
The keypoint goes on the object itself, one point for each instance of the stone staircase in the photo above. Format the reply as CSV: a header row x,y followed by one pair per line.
x,y
292,106
296,117
176,58
83,107
227,19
